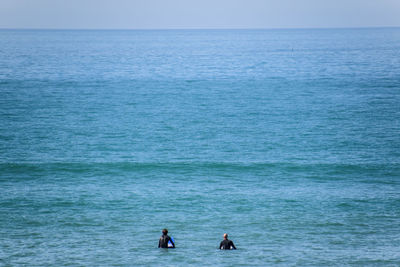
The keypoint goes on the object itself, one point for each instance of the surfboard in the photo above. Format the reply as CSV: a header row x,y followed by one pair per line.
x,y
169,242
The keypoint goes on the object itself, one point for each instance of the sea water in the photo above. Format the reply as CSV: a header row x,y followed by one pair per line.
x,y
287,140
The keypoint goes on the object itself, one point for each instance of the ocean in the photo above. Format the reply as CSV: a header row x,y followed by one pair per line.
x,y
288,140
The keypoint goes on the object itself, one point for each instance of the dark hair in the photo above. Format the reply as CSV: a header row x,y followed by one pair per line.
x,y
165,231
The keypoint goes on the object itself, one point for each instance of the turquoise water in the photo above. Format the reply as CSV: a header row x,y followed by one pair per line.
x,y
288,140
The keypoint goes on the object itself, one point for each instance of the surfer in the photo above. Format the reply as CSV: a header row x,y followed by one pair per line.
x,y
226,243
164,239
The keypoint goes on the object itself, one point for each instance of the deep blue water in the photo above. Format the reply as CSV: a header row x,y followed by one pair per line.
x,y
288,140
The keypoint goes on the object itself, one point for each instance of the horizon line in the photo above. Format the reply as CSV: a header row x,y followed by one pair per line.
x,y
217,29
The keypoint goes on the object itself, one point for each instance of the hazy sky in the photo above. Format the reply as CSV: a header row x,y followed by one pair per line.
x,y
166,14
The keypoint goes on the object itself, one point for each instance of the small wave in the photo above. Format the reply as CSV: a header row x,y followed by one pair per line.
x,y
81,167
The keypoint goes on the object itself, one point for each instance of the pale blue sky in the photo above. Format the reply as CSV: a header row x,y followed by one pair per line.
x,y
189,14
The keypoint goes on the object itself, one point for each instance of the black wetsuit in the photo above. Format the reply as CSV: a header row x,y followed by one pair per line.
x,y
227,244
163,242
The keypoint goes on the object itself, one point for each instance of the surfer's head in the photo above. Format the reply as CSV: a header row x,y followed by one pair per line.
x,y
225,236
164,231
